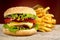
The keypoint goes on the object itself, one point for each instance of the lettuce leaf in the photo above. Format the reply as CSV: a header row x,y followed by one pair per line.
x,y
5,26
23,16
13,29
14,16
29,16
36,26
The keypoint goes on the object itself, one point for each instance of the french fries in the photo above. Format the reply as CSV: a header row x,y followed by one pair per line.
x,y
45,20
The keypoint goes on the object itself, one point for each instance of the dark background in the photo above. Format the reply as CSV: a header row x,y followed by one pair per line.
x,y
53,4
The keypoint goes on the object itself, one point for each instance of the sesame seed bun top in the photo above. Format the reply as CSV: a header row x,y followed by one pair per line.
x,y
19,10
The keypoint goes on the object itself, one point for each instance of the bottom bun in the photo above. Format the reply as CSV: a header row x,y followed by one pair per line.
x,y
20,32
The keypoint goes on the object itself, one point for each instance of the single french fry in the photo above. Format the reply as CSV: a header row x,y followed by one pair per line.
x,y
53,21
47,8
47,29
37,6
42,30
49,25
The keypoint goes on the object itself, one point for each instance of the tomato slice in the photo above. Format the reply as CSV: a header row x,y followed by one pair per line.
x,y
30,20
7,20
33,21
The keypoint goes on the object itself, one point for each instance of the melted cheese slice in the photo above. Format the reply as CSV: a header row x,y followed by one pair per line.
x,y
30,25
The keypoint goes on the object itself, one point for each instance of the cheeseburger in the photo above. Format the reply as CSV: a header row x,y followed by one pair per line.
x,y
20,21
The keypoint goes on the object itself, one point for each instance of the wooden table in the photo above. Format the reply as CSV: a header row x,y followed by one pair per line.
x,y
53,35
